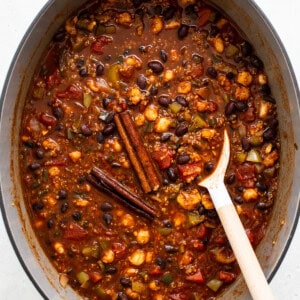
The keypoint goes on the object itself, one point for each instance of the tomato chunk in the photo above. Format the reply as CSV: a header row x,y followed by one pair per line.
x,y
197,277
189,172
100,42
75,232
245,172
163,157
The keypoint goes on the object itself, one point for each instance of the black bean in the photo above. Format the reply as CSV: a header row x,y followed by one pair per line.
x,y
183,31
183,159
263,205
213,31
172,175
164,100
100,137
246,48
153,90
143,49
269,134
106,206
106,101
125,281
80,63
39,153
161,262
265,89
181,100
157,10
83,72
164,55
111,270
241,105
167,223
142,82
165,181
201,209
34,166
109,117
268,98
230,179
169,12
212,72
190,9
77,216
107,218
137,3
62,194
122,296
256,62
246,144
50,223
273,123
58,112
171,249
181,130
100,69
209,166
165,136
230,75
36,206
59,127
81,179
156,66
85,130
230,108
64,207
59,36
261,186
238,200
109,129
197,58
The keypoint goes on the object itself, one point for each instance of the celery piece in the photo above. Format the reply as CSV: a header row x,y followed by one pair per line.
x,y
240,157
175,107
83,277
113,75
38,92
231,51
195,219
164,230
87,100
167,278
197,123
253,156
102,293
214,284
91,251
110,29
256,140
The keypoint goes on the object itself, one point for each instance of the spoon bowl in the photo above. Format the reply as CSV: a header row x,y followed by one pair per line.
x,y
243,251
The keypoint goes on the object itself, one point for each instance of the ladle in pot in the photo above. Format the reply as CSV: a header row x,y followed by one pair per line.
x,y
243,251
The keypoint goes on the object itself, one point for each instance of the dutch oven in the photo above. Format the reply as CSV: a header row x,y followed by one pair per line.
x,y
282,81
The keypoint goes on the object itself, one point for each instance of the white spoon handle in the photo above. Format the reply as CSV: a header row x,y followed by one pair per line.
x,y
243,251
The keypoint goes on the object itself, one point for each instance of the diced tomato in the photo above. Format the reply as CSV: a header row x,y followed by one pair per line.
x,y
163,157
54,79
119,249
197,70
189,172
95,276
100,42
202,231
203,16
226,276
197,277
47,119
72,92
75,232
245,171
250,235
198,245
156,271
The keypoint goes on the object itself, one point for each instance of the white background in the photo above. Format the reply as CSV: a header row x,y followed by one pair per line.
x,y
16,16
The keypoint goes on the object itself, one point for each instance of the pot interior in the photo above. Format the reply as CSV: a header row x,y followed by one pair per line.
x,y
282,81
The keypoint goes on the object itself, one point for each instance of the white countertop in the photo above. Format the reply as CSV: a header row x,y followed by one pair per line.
x,y
16,16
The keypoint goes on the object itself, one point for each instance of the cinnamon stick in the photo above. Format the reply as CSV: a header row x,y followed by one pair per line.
x,y
137,152
113,187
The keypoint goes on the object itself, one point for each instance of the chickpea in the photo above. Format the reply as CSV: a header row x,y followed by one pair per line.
x,y
135,95
218,44
262,79
184,87
108,256
157,25
139,120
124,19
142,236
168,75
54,171
127,220
151,112
137,258
207,202
242,93
250,194
244,78
59,248
162,125
271,158
154,285
75,156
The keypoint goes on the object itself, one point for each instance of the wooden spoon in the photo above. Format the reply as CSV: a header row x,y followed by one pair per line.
x,y
243,251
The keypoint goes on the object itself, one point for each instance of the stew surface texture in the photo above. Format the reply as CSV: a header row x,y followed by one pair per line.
x,y
125,115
